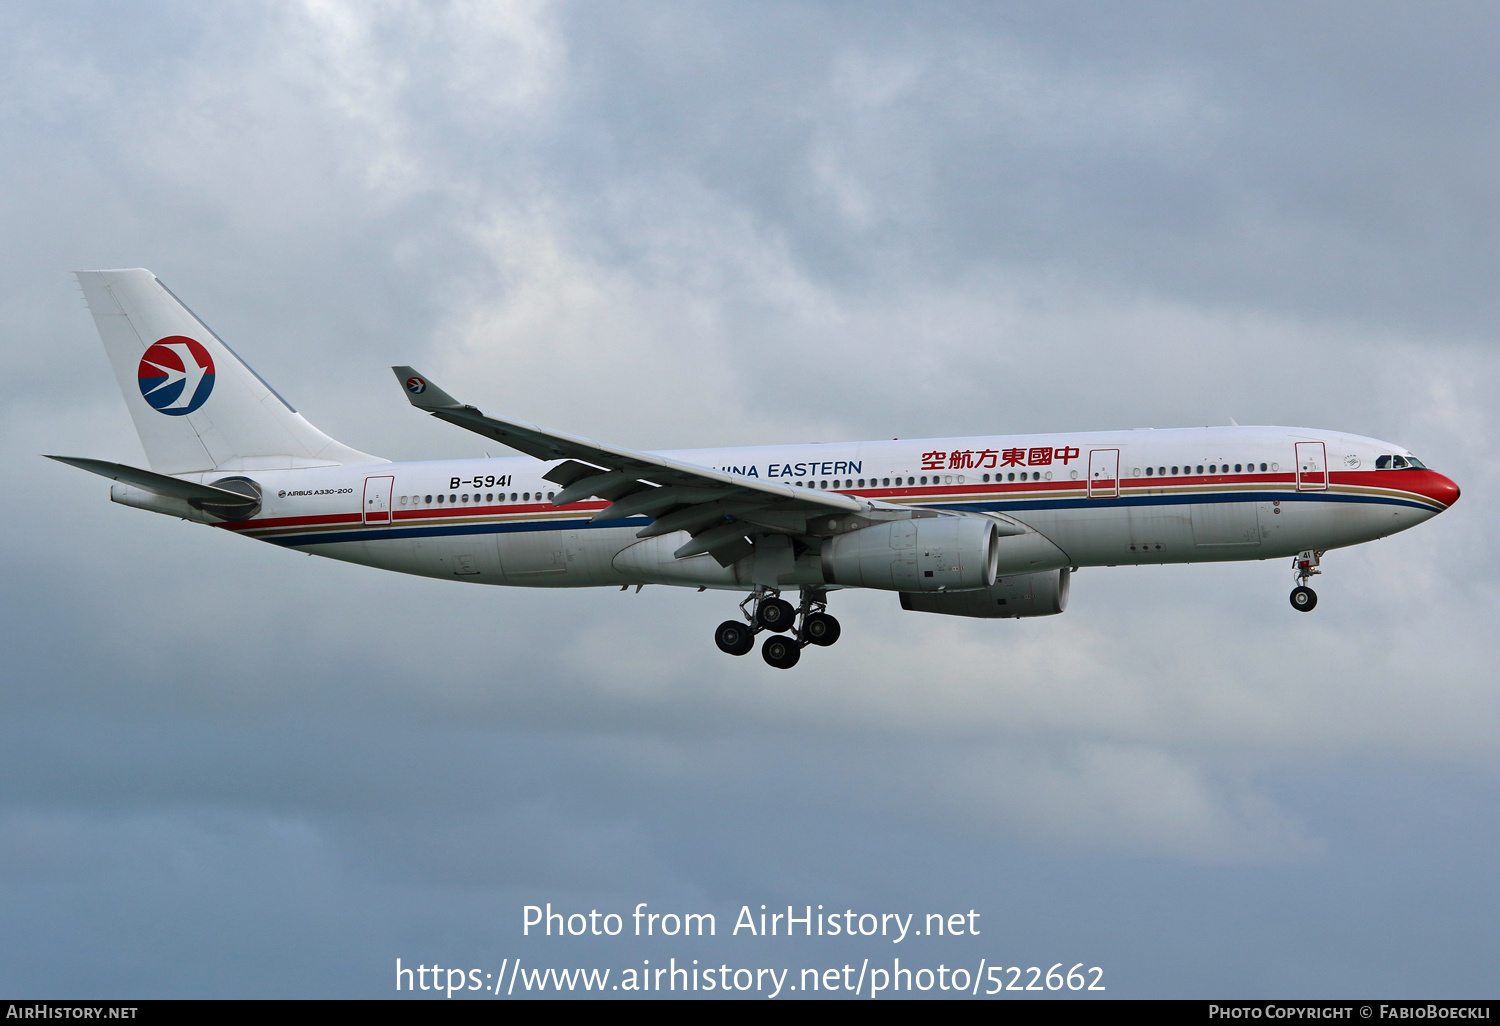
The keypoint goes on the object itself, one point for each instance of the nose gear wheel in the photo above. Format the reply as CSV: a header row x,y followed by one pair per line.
x,y
1305,566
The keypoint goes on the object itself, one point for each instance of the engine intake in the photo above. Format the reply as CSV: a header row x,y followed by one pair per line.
x,y
932,554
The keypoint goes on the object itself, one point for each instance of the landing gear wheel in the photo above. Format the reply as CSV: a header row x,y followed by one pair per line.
x,y
734,637
820,629
775,614
1303,599
780,652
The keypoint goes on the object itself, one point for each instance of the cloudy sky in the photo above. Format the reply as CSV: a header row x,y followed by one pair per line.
x,y
230,770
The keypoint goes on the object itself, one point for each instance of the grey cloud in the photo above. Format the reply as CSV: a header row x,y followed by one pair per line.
x,y
235,770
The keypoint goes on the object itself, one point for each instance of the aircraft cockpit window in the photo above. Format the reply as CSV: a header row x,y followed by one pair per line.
x,y
1389,462
1415,464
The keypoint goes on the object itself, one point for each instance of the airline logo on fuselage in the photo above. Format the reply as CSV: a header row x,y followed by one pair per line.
x,y
176,375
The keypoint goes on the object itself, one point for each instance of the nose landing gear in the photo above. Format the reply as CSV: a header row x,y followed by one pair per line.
x,y
1305,565
791,628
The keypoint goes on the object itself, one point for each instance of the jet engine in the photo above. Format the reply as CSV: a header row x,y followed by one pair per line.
x,y
1020,595
932,554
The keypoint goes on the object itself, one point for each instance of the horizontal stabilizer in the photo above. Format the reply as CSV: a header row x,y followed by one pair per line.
x,y
161,484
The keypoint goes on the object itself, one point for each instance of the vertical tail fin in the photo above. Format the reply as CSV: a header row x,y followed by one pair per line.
x,y
196,405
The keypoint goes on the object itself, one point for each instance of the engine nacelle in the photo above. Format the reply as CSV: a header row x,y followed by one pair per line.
x,y
1021,595
931,554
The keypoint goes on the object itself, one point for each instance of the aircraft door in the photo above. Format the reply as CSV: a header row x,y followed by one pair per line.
x,y
1312,467
1104,473
377,507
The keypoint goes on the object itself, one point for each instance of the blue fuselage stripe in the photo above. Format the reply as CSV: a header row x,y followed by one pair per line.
x,y
980,506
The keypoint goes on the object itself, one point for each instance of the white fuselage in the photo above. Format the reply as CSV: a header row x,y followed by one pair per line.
x,y
1095,499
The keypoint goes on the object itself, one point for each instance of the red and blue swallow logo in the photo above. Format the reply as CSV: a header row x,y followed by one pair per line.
x,y
176,375
415,385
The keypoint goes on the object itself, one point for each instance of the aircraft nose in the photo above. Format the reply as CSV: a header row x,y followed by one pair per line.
x,y
1443,489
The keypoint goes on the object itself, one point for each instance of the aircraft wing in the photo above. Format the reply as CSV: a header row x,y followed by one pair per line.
x,y
719,510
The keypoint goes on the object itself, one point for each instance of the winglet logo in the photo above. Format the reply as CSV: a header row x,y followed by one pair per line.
x,y
176,375
416,386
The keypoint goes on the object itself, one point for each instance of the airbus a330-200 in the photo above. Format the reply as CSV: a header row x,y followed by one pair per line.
x,y
992,526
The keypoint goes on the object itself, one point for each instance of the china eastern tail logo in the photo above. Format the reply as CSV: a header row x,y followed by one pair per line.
x,y
416,386
176,375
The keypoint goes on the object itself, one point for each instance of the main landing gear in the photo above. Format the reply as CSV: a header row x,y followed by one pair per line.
x,y
1305,566
789,628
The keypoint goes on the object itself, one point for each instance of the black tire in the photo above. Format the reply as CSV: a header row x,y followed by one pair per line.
x,y
734,637
820,629
775,614
780,652
1304,599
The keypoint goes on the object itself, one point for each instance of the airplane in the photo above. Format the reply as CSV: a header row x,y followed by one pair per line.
x,y
990,527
